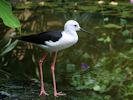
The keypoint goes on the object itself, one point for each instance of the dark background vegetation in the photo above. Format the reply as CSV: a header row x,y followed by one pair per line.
x,y
98,67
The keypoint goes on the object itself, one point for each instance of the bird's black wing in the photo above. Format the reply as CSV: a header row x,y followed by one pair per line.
x,y
42,37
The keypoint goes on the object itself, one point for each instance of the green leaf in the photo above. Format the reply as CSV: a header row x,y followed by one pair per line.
x,y
108,39
106,19
125,14
124,56
96,88
7,15
70,67
100,39
123,21
112,26
125,33
8,47
86,55
129,41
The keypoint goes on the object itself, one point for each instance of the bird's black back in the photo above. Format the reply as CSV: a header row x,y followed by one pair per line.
x,y
42,37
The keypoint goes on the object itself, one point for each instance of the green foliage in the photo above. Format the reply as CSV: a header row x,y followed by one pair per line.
x,y
70,67
125,14
7,15
109,73
8,47
123,21
129,41
110,25
106,39
125,32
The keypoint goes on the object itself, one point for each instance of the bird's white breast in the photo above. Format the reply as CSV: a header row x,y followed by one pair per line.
x,y
65,41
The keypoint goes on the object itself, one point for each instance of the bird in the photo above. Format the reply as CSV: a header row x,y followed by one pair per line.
x,y
53,42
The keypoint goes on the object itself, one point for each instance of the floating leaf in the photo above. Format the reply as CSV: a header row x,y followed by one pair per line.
x,y
70,67
124,56
112,26
90,82
7,15
100,39
125,33
108,39
123,21
125,14
106,19
96,88
129,41
104,39
86,55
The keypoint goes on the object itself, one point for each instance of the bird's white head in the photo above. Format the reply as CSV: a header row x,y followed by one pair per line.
x,y
71,25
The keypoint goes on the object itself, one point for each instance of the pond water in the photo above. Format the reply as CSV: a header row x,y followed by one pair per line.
x,y
86,71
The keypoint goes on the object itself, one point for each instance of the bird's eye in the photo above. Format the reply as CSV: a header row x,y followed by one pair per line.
x,y
75,25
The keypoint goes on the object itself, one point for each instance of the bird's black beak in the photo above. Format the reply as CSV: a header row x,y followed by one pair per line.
x,y
84,30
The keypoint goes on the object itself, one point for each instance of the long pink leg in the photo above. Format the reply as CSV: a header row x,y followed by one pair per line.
x,y
42,92
53,76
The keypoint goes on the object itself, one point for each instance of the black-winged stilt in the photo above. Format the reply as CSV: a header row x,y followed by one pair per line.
x,y
54,41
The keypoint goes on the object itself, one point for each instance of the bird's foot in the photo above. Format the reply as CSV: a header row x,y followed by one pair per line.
x,y
59,94
43,92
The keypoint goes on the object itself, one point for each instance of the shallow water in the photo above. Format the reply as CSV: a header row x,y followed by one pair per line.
x,y
19,68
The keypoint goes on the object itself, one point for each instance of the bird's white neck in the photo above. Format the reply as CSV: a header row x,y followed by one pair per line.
x,y
71,32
